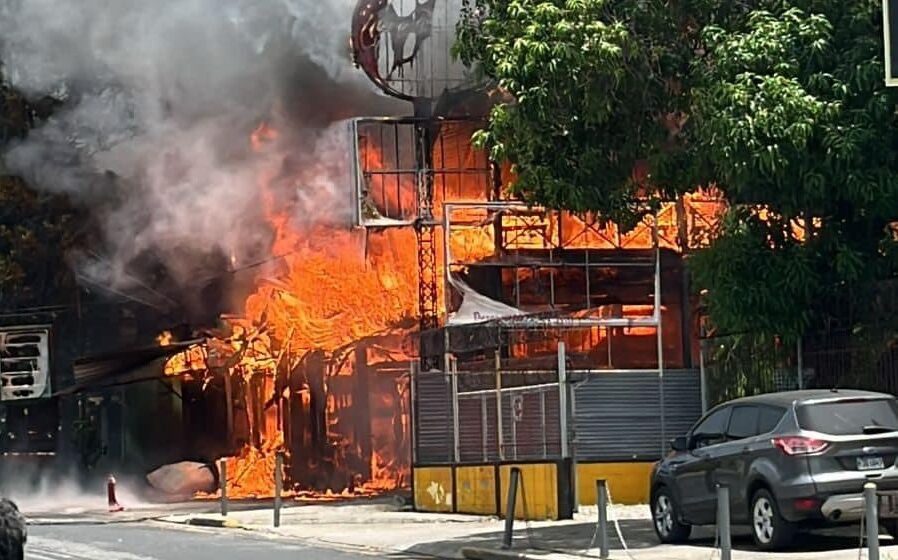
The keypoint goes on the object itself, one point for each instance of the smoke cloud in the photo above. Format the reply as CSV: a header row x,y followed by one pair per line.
x,y
160,99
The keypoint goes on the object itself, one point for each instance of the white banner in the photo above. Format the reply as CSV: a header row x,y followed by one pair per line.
x,y
477,308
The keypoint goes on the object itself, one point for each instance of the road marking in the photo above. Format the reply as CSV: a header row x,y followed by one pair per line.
x,y
41,548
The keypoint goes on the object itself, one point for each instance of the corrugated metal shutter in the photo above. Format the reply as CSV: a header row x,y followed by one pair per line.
x,y
618,414
433,418
683,401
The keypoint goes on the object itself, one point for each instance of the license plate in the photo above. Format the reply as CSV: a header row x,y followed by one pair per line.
x,y
870,463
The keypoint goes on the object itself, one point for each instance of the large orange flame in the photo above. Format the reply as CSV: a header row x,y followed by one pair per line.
x,y
333,311
325,292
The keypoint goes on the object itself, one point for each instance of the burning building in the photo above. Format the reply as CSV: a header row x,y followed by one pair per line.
x,y
441,335
553,342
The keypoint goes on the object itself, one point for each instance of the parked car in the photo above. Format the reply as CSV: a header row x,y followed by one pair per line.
x,y
793,460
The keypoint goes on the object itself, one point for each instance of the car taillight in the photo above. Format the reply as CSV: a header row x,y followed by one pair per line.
x,y
800,445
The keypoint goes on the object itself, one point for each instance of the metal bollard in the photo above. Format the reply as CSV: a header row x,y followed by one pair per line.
x,y
871,518
511,505
723,522
602,503
278,486
223,479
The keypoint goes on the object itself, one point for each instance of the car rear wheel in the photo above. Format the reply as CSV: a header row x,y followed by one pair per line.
x,y
769,529
666,518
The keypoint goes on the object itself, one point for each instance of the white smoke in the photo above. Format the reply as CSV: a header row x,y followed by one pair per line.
x,y
160,98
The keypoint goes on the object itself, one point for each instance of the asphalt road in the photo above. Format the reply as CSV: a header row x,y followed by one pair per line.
x,y
161,542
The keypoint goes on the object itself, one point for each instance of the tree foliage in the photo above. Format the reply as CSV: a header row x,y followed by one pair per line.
x,y
593,100
780,103
36,229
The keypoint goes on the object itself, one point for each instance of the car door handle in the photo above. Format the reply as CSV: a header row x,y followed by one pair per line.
x,y
746,450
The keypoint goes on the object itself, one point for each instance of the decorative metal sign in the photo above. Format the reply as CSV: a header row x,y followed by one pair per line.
x,y
404,46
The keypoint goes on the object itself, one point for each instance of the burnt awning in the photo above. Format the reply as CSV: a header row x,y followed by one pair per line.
x,y
124,367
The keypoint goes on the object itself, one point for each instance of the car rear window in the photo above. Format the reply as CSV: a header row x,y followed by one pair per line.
x,y
849,417
743,422
770,417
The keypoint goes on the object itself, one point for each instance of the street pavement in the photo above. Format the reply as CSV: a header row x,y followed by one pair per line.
x,y
377,528
148,541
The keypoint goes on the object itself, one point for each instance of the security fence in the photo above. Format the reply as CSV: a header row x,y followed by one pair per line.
x,y
747,364
742,365
464,417
471,418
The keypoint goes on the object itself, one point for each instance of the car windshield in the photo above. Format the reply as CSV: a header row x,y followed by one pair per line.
x,y
850,417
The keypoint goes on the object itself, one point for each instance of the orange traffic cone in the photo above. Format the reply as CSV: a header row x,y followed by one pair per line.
x,y
110,495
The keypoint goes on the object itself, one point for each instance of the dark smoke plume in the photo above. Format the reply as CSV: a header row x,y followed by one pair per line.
x,y
160,99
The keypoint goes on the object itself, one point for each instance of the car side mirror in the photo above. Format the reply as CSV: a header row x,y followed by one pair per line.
x,y
680,443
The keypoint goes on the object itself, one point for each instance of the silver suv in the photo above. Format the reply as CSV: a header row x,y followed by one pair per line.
x,y
793,460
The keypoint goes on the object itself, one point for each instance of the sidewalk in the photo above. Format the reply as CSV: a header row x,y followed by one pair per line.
x,y
382,530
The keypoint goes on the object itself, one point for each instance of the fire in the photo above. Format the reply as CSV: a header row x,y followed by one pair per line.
x,y
303,363
262,135
314,365
164,338
191,360
330,295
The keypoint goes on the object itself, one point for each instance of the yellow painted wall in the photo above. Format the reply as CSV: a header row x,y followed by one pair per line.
x,y
628,483
540,491
433,489
475,490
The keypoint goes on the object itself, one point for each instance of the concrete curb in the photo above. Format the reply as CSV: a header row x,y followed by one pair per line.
x,y
492,554
52,521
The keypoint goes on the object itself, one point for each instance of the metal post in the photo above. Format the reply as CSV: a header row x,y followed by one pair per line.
x,y
412,406
229,408
500,443
484,427
575,481
602,502
723,522
871,518
800,363
278,486
542,419
514,429
608,334
510,507
657,314
447,256
223,476
562,399
456,444
701,371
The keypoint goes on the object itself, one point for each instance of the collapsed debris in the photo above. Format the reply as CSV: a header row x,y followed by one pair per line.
x,y
184,479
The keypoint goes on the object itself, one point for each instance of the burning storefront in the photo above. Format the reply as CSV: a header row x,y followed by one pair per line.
x,y
408,271
550,341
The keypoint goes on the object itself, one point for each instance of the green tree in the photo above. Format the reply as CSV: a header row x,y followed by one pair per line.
x,y
780,103
793,115
37,230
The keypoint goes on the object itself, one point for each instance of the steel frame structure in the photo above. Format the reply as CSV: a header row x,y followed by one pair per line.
x,y
419,134
527,322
